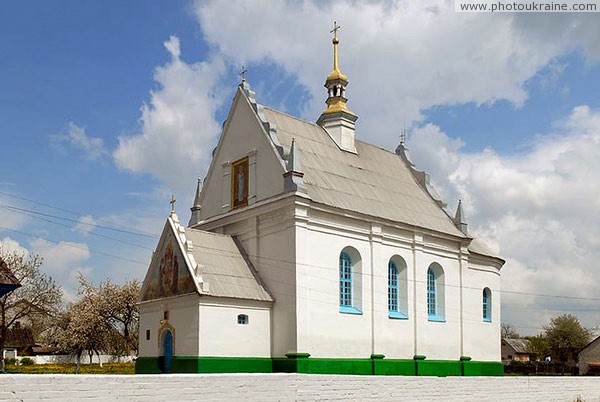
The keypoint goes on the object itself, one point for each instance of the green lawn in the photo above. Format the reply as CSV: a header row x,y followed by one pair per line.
x,y
107,368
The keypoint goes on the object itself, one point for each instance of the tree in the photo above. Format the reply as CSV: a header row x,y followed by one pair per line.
x,y
37,297
565,337
508,331
538,346
81,328
118,305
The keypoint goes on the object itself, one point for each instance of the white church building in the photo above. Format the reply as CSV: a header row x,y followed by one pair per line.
x,y
311,251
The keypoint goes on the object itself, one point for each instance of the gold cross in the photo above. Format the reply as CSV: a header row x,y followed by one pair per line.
x,y
336,27
172,202
243,73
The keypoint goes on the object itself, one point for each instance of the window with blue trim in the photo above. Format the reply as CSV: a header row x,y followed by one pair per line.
x,y
345,280
431,293
392,287
487,305
435,293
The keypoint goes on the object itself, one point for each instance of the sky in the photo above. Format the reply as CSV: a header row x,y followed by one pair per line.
x,y
109,107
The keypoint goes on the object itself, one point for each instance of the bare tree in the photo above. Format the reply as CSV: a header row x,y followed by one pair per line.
x,y
508,331
37,297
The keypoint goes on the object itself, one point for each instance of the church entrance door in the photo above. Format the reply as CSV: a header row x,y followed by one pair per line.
x,y
167,351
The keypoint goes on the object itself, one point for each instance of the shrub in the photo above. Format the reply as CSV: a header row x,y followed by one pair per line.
x,y
10,360
26,361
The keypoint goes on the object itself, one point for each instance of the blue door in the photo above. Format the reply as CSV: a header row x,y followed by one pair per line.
x,y
167,346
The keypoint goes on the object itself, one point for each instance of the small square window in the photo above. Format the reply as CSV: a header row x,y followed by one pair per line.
x,y
242,319
147,334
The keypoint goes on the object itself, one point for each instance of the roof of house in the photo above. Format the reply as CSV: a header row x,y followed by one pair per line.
x,y
6,275
374,181
224,267
518,344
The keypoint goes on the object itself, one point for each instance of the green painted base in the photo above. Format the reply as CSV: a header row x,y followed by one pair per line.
x,y
301,363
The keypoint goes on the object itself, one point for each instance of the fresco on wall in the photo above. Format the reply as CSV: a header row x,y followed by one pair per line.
x,y
239,183
169,275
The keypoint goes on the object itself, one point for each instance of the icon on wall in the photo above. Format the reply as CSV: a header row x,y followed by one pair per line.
x,y
239,183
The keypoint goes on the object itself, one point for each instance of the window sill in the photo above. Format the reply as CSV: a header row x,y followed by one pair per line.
x,y
436,318
487,320
397,315
350,310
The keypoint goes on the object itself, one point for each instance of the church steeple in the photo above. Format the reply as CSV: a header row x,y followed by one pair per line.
x,y
459,218
197,207
337,119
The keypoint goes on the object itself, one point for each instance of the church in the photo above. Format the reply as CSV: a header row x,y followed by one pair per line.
x,y
311,251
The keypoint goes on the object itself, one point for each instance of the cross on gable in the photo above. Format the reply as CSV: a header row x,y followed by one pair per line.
x,y
172,202
243,73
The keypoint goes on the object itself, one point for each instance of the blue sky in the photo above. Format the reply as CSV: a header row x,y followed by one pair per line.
x,y
107,108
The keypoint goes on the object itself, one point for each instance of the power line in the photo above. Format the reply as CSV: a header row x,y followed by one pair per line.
x,y
32,215
25,210
75,213
71,245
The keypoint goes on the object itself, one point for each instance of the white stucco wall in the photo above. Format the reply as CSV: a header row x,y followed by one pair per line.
x,y
481,339
242,136
221,335
323,331
183,318
294,387
268,236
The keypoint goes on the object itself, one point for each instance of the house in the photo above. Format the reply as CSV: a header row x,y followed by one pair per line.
x,y
515,349
589,358
309,250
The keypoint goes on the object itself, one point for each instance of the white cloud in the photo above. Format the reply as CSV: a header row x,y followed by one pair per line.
x,y
62,261
541,208
401,57
85,225
10,245
178,126
76,137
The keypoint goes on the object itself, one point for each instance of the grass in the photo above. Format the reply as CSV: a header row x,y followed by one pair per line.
x,y
107,368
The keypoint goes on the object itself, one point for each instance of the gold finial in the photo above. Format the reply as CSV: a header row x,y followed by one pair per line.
x,y
243,73
172,202
336,74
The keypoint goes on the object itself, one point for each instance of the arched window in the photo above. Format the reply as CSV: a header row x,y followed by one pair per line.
x,y
242,319
350,281
397,288
487,305
392,286
435,293
345,280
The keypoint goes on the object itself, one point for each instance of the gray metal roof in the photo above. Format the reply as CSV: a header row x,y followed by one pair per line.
x,y
222,265
519,345
374,181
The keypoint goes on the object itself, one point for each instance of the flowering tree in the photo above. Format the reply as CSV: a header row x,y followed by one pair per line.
x,y
39,296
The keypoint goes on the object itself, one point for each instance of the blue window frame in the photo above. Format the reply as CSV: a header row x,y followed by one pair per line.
x,y
345,280
392,287
431,293
487,305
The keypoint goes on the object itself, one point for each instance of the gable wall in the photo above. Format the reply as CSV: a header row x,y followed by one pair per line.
x,y
590,354
242,137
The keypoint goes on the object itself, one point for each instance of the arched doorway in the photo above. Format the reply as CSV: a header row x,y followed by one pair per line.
x,y
167,351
